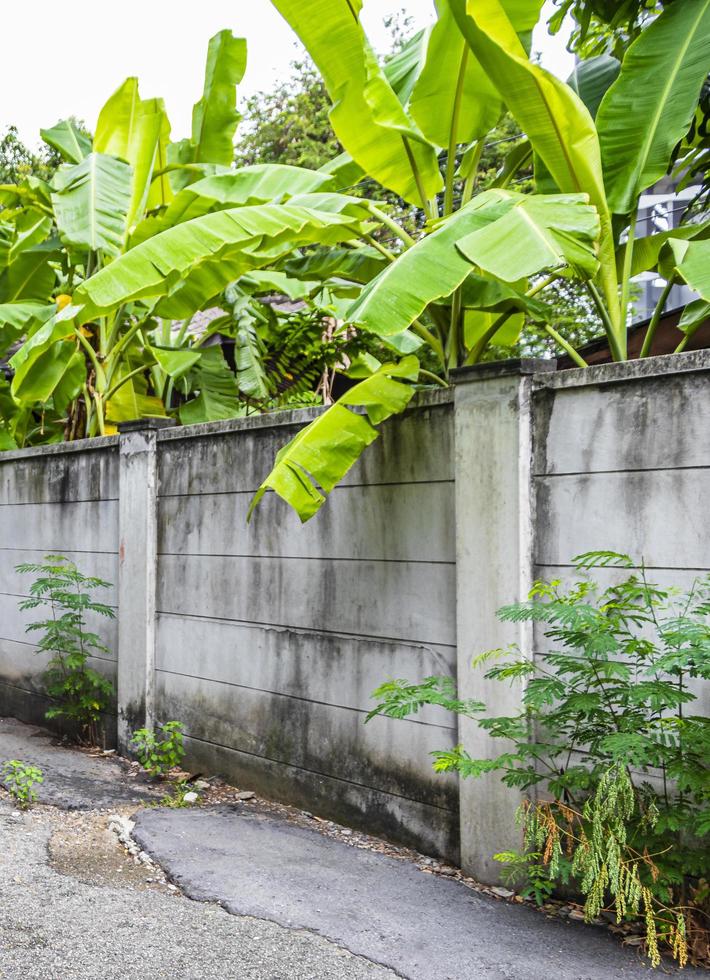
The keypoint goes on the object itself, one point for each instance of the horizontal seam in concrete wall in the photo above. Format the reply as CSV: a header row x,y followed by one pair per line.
x,y
26,643
315,772
293,697
626,568
640,469
61,503
66,551
425,644
341,487
351,560
22,595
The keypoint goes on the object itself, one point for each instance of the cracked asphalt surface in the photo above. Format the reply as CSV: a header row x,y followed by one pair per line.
x,y
262,897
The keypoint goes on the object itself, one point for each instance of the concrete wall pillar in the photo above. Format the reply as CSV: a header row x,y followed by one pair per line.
x,y
137,568
494,537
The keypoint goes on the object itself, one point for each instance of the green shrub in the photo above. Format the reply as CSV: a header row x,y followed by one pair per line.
x,y
608,739
20,780
81,694
159,750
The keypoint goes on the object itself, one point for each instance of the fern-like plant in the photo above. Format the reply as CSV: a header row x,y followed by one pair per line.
x,y
609,745
81,695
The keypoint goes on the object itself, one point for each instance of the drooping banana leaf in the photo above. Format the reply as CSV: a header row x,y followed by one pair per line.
x,y
131,128
91,201
203,255
650,106
323,452
554,119
367,116
218,397
68,140
536,232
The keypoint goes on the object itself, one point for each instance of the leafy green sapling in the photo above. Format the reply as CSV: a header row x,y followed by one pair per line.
x,y
159,750
20,779
609,741
81,695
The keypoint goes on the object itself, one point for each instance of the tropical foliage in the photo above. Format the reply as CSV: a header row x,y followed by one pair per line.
x,y
107,268
609,742
486,260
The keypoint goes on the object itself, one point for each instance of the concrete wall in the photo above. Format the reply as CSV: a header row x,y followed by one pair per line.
x,y
272,635
266,639
62,500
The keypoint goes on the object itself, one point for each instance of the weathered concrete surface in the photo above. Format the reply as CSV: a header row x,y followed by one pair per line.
x,y
423,927
54,927
72,779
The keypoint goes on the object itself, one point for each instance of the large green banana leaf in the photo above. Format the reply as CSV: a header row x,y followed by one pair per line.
x,y
19,319
648,249
323,452
131,400
539,232
453,99
650,106
45,367
215,116
591,80
692,261
209,249
258,184
536,231
69,142
91,201
8,414
352,264
160,193
218,396
31,228
553,117
367,116
130,128
404,67
30,276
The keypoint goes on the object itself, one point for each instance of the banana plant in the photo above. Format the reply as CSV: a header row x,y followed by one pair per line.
x,y
102,271
487,255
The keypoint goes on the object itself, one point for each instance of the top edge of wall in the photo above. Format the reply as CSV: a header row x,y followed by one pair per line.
x,y
60,448
649,367
294,417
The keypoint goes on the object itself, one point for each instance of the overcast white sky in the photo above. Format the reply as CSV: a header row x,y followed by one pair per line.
x,y
79,51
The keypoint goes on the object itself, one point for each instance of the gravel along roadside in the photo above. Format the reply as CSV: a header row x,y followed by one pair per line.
x,y
74,905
